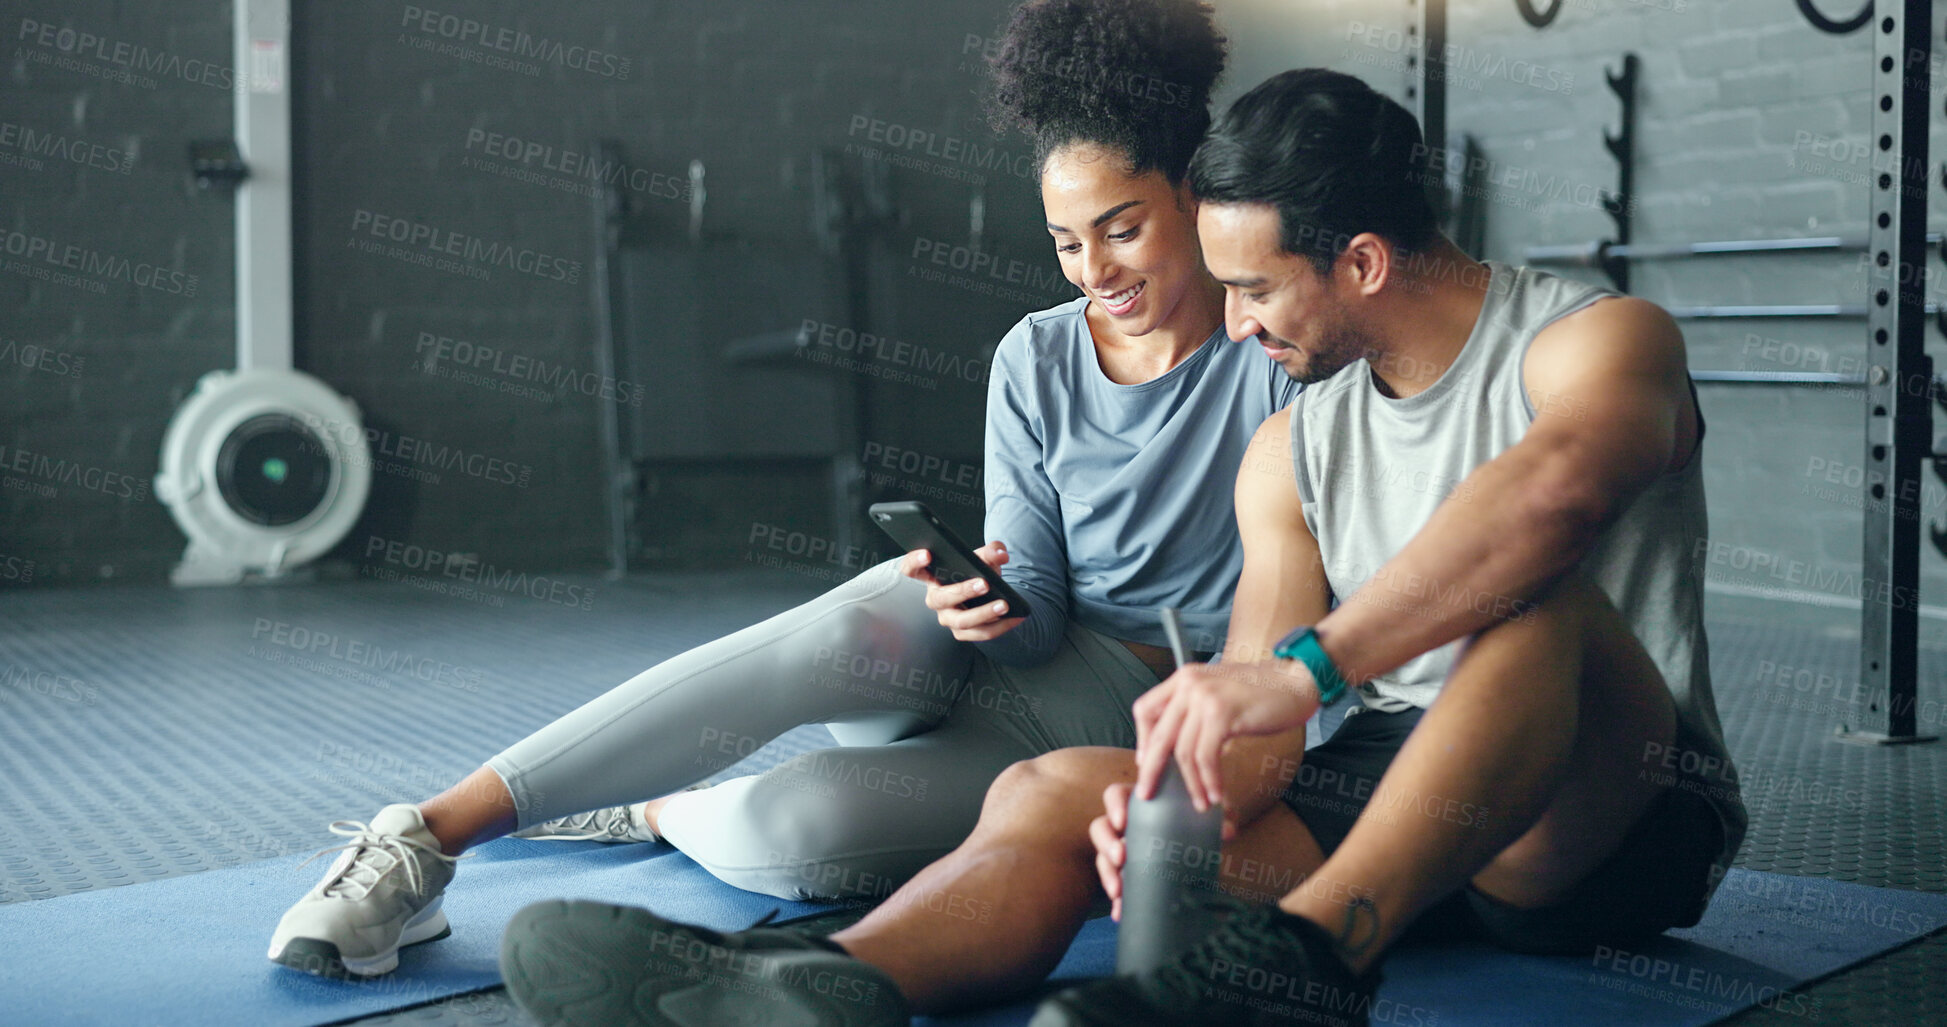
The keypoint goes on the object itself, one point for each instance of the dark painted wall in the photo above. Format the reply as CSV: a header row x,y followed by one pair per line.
x,y
115,274
447,256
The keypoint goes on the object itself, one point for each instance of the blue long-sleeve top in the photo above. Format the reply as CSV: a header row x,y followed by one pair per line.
x,y
1115,500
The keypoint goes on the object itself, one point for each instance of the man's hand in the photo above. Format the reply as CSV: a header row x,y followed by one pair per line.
x,y
978,624
1200,707
1106,832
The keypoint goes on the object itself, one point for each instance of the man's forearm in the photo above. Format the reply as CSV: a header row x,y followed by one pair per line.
x,y
1487,555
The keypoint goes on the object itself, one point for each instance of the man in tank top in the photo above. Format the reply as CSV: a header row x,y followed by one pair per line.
x,y
1481,517
1499,499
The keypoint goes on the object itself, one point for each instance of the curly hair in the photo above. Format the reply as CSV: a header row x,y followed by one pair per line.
x,y
1135,75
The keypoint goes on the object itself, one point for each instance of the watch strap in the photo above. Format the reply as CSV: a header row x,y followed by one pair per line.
x,y
1302,645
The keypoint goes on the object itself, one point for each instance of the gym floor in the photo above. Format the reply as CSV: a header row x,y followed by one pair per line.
x,y
147,732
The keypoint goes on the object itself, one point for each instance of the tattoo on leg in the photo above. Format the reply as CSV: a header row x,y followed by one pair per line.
x,y
1361,927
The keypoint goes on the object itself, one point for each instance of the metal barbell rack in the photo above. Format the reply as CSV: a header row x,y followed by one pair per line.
x,y
1899,384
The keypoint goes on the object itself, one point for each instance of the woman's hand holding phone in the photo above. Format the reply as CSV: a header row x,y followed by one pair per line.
x,y
979,624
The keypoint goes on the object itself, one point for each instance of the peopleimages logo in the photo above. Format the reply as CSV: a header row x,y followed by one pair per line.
x,y
300,639
381,446
95,264
902,140
41,358
1060,63
64,472
820,340
1465,66
81,51
424,566
13,568
465,32
425,241
49,684
471,362
982,263
584,172
20,144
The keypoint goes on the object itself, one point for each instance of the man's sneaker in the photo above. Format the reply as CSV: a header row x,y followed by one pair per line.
x,y
616,824
1260,966
382,892
591,964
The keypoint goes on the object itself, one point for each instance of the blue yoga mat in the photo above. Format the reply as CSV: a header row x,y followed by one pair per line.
x,y
190,950
1763,938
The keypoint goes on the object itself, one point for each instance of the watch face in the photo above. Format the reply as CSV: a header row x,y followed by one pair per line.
x,y
1287,646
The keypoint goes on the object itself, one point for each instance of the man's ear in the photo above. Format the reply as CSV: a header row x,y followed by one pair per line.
x,y
1368,260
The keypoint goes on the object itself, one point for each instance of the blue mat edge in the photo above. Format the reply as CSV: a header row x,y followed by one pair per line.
x,y
661,860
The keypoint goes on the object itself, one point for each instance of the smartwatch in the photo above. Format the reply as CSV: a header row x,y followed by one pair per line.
x,y
1302,645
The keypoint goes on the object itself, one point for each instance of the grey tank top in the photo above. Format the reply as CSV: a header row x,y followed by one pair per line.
x,y
1372,469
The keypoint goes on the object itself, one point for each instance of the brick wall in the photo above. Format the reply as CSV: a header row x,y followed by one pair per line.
x,y
1752,125
1744,107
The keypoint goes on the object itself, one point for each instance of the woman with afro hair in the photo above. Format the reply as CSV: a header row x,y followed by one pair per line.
x,y
1116,424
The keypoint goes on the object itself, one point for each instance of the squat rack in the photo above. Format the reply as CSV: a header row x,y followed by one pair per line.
x,y
1899,379
1899,383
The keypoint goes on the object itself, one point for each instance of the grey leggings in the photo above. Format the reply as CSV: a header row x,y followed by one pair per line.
x,y
924,725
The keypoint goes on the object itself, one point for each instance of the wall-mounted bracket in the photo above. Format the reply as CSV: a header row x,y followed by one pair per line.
x,y
1620,204
1838,28
217,164
1541,19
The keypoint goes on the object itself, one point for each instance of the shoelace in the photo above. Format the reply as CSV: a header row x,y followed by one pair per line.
x,y
367,845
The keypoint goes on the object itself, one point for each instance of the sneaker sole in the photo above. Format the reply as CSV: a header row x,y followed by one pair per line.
x,y
602,839
587,964
321,958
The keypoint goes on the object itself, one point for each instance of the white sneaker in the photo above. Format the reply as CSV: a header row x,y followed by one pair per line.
x,y
382,893
614,825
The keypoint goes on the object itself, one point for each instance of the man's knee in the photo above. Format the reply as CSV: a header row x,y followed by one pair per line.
x,y
1065,783
1578,596
1576,616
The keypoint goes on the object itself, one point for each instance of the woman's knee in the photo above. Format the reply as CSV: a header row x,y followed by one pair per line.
x,y
887,636
747,835
821,826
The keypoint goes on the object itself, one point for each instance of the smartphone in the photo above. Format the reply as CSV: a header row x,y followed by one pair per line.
x,y
913,526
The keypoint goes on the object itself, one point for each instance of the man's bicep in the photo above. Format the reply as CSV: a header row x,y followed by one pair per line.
x,y
1283,583
1610,388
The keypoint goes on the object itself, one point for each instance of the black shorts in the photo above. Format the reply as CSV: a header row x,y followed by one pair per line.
x,y
1659,877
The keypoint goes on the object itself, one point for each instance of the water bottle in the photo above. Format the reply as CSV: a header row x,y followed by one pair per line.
x,y
1171,857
